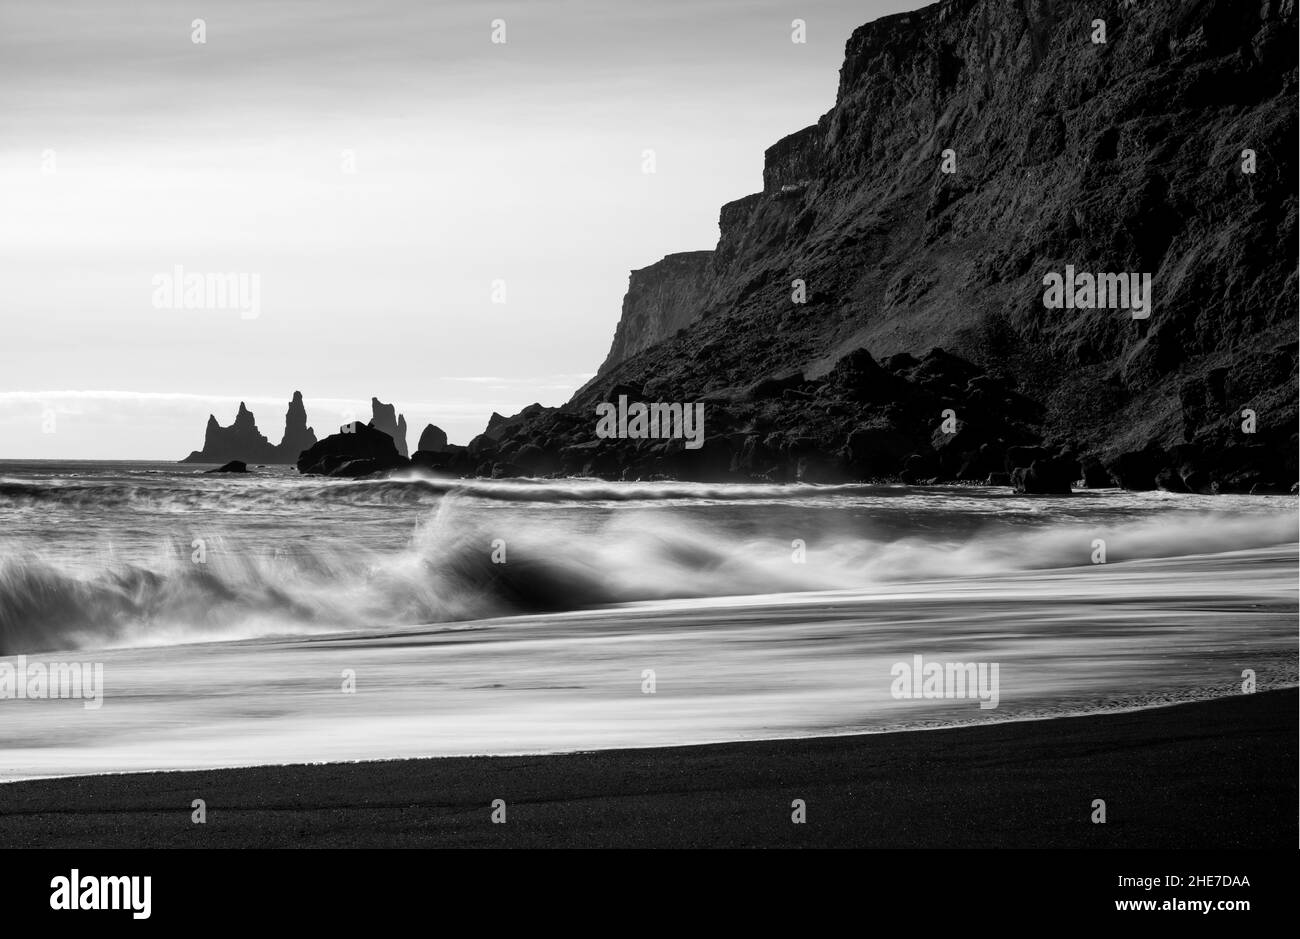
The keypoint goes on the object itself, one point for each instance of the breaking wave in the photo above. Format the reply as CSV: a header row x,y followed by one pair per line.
x,y
450,569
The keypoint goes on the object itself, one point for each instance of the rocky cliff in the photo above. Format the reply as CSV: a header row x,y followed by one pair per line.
x,y
1034,242
975,149
661,299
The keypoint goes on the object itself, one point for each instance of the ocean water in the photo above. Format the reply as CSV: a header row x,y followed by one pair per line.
x,y
271,618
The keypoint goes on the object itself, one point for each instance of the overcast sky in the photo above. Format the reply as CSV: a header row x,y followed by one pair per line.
x,y
127,149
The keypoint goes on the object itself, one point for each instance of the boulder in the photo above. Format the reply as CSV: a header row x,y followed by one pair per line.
x,y
858,377
432,439
451,460
234,466
1169,480
297,435
900,361
482,447
357,450
1093,475
979,464
1137,469
942,371
1046,477
504,470
535,461
876,449
821,468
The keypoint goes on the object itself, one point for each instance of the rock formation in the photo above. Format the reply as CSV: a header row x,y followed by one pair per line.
x,y
243,442
976,149
433,439
234,466
356,450
297,435
661,299
384,417
883,307
240,441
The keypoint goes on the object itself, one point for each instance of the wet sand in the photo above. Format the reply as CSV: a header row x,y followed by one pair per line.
x,y
1214,774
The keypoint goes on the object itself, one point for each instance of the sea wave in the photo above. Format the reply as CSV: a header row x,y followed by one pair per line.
x,y
468,560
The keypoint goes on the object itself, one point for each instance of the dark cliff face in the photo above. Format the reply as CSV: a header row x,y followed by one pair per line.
x,y
1119,157
794,160
661,299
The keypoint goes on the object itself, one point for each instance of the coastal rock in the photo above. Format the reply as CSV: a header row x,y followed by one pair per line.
x,y
1169,480
453,460
297,435
877,449
1044,477
243,442
661,299
357,450
240,441
1093,474
384,417
1137,469
432,439
234,466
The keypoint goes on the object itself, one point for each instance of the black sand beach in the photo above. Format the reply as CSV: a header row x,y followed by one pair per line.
x,y
1217,774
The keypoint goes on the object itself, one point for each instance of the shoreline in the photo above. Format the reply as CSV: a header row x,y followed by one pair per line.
x,y
1205,774
1028,718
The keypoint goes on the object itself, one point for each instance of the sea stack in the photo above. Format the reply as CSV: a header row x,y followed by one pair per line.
x,y
297,435
240,441
385,417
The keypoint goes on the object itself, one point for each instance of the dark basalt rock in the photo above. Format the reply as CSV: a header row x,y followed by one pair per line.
x,y
432,439
240,441
877,449
357,450
234,466
1137,469
297,435
506,471
773,387
1169,480
1045,477
452,460
243,442
1094,475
